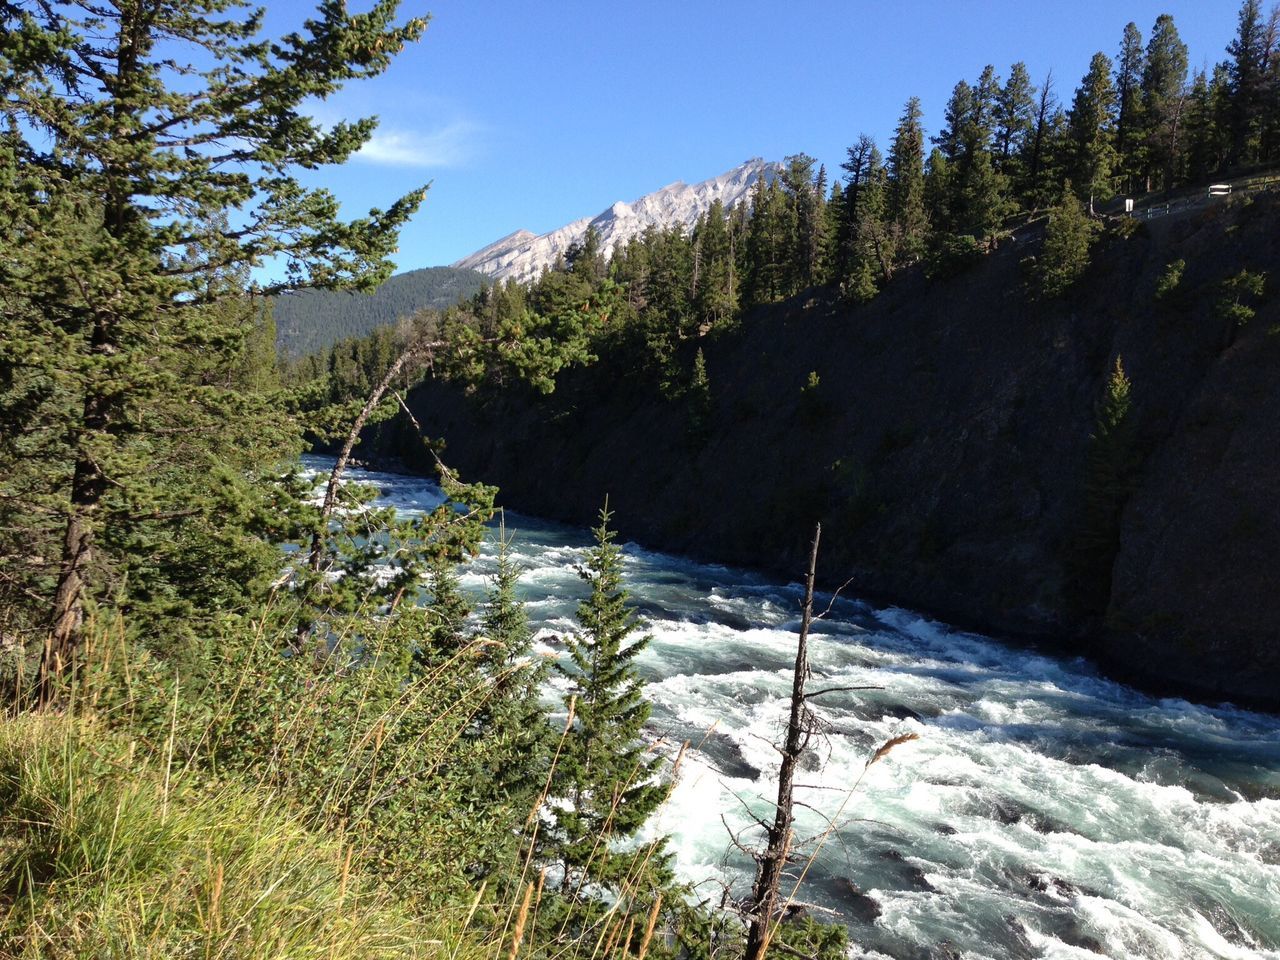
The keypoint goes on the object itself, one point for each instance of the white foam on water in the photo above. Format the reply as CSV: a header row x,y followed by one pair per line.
x,y
1044,806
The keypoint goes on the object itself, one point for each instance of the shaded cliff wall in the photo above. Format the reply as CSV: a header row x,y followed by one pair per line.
x,y
944,449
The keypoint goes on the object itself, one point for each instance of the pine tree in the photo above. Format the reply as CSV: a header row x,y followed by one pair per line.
x,y
855,166
1164,78
768,242
1129,70
906,205
1015,119
984,199
805,223
1090,132
716,290
1107,484
516,740
1065,254
105,116
605,777
1247,69
1040,162
837,239
873,256
986,106
1207,140
956,136
699,397
938,190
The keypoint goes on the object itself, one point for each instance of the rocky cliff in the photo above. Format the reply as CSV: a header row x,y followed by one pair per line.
x,y
940,433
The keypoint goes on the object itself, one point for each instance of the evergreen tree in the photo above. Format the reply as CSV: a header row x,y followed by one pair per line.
x,y
1164,78
837,239
1107,484
102,114
986,107
1039,169
983,199
716,289
1090,132
906,206
1207,140
1015,119
872,256
517,740
585,257
447,608
1065,254
699,397
938,177
855,166
957,136
1247,69
1269,135
1130,66
805,222
769,233
606,778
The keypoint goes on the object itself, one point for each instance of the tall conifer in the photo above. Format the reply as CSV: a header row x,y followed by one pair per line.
x,y
155,152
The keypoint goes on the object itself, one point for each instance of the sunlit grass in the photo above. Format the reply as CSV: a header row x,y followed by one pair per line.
x,y
100,857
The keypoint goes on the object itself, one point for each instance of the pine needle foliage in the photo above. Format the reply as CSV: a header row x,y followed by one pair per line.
x,y
1065,255
607,778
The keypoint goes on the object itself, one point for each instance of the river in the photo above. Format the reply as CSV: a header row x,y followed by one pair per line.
x,y
1044,811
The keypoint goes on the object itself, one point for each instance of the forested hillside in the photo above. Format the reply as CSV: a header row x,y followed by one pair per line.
x,y
308,321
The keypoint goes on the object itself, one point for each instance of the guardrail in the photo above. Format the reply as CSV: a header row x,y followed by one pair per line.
x,y
1217,192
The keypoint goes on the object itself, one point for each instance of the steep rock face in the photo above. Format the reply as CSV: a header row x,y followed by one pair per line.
x,y
523,255
944,450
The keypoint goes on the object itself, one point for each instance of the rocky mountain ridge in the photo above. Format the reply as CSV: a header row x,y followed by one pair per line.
x,y
522,255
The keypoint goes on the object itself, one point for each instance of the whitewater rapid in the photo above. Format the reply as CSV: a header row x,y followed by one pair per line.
x,y
1044,811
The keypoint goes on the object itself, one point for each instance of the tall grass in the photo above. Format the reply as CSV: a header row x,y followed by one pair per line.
x,y
106,853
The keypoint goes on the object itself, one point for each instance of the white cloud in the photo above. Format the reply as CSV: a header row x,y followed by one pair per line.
x,y
449,146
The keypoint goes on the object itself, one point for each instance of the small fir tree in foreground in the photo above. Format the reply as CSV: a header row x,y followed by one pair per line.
x,y
606,777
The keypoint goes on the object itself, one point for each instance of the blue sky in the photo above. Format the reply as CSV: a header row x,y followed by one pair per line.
x,y
531,115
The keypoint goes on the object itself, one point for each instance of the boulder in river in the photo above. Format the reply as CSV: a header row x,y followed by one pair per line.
x,y
859,905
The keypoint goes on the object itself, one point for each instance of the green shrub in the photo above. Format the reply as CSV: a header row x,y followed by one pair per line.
x,y
951,255
1170,279
1238,297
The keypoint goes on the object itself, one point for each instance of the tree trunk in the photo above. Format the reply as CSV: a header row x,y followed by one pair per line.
x,y
764,894
87,488
68,605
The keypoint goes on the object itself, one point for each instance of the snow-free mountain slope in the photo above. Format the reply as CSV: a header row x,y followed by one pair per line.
x,y
523,255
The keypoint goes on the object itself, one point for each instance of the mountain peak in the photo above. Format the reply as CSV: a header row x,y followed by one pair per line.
x,y
523,255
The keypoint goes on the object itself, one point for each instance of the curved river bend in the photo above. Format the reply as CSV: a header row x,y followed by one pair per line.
x,y
1045,811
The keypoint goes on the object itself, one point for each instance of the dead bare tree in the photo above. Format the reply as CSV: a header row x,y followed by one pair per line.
x,y
800,729
415,350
